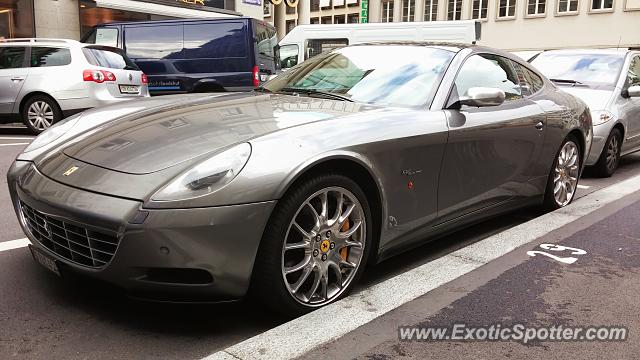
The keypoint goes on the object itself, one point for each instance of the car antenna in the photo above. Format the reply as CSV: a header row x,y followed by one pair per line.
x,y
619,41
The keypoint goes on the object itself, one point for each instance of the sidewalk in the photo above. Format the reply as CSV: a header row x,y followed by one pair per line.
x,y
491,281
601,288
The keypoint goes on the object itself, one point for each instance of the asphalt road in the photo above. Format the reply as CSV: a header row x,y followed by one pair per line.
x,y
44,317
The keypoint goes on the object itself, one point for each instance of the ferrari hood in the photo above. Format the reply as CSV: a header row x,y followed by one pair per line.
x,y
181,128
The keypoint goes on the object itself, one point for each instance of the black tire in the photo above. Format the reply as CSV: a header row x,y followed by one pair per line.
x,y
268,285
51,111
550,202
610,157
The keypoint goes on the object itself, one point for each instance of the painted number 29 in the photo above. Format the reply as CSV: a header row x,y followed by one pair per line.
x,y
553,247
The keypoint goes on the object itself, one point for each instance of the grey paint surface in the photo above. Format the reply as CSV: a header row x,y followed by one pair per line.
x,y
474,163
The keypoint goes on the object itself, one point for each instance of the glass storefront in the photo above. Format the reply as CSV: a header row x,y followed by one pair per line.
x,y
16,19
90,15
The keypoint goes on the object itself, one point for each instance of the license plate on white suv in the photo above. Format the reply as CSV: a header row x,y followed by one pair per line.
x,y
129,89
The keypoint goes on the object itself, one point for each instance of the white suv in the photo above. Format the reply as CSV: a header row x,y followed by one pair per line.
x,y
45,80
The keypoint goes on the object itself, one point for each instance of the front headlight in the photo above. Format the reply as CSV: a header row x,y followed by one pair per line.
x,y
599,117
53,133
207,177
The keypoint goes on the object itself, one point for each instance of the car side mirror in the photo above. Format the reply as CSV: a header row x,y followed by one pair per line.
x,y
482,96
632,91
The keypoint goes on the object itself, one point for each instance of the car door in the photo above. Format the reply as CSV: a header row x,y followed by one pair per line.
x,y
490,149
630,107
13,73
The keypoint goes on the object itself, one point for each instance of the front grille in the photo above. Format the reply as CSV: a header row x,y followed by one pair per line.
x,y
72,242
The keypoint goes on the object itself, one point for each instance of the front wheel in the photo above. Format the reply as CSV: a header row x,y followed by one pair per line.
x,y
610,158
565,172
315,246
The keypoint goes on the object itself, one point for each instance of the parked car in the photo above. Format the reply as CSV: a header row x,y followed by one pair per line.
x,y
346,159
306,41
44,80
608,80
203,55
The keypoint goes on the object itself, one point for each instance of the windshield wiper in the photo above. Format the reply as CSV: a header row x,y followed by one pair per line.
x,y
318,93
262,89
566,81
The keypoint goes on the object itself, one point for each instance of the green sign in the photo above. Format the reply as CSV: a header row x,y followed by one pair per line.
x,y
364,13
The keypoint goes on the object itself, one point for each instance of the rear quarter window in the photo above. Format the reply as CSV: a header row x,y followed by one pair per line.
x,y
108,58
530,81
49,56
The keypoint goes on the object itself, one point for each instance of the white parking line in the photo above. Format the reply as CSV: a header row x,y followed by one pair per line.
x,y
583,187
15,138
14,244
14,144
301,335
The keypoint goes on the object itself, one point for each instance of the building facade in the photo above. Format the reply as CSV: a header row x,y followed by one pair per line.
x,y
515,25
70,19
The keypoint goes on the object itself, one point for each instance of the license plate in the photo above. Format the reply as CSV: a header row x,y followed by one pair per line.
x,y
129,89
263,77
44,260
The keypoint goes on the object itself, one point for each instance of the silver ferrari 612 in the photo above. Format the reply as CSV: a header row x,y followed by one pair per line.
x,y
289,192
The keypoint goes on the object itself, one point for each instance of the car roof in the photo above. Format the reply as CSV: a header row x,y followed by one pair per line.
x,y
605,51
170,21
449,46
42,41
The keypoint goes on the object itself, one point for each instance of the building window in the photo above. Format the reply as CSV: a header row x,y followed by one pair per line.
x,y
325,4
266,6
454,10
567,6
601,5
16,19
314,20
536,7
431,10
353,18
479,9
290,25
408,10
506,9
315,5
338,19
290,10
353,2
326,20
387,11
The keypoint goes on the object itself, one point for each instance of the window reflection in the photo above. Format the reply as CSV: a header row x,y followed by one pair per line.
x,y
377,74
585,68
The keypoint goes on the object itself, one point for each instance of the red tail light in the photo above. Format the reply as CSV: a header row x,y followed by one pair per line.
x,y
144,78
98,76
256,76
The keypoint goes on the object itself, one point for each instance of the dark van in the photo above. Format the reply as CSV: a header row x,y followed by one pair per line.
x,y
204,55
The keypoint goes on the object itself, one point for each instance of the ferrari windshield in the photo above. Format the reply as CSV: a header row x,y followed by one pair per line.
x,y
580,67
396,75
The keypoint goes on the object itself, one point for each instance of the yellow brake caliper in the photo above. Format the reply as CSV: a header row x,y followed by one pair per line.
x,y
344,252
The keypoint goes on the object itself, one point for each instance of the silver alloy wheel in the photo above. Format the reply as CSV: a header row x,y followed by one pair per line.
x,y
40,115
565,179
612,154
323,246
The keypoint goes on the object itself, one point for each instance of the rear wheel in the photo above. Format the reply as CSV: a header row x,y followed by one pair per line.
x,y
563,179
40,112
610,158
315,246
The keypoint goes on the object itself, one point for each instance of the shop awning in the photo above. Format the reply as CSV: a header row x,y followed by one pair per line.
x,y
158,9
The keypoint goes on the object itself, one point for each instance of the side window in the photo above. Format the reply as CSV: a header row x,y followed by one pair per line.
x,y
288,56
318,46
154,42
49,56
530,81
215,40
12,57
633,76
490,71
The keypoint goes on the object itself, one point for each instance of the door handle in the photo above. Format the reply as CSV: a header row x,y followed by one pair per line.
x,y
540,125
17,78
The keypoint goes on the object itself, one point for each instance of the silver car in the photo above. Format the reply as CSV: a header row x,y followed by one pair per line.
x,y
44,80
608,81
288,192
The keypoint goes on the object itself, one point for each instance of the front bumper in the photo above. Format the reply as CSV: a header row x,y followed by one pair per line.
x,y
155,259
